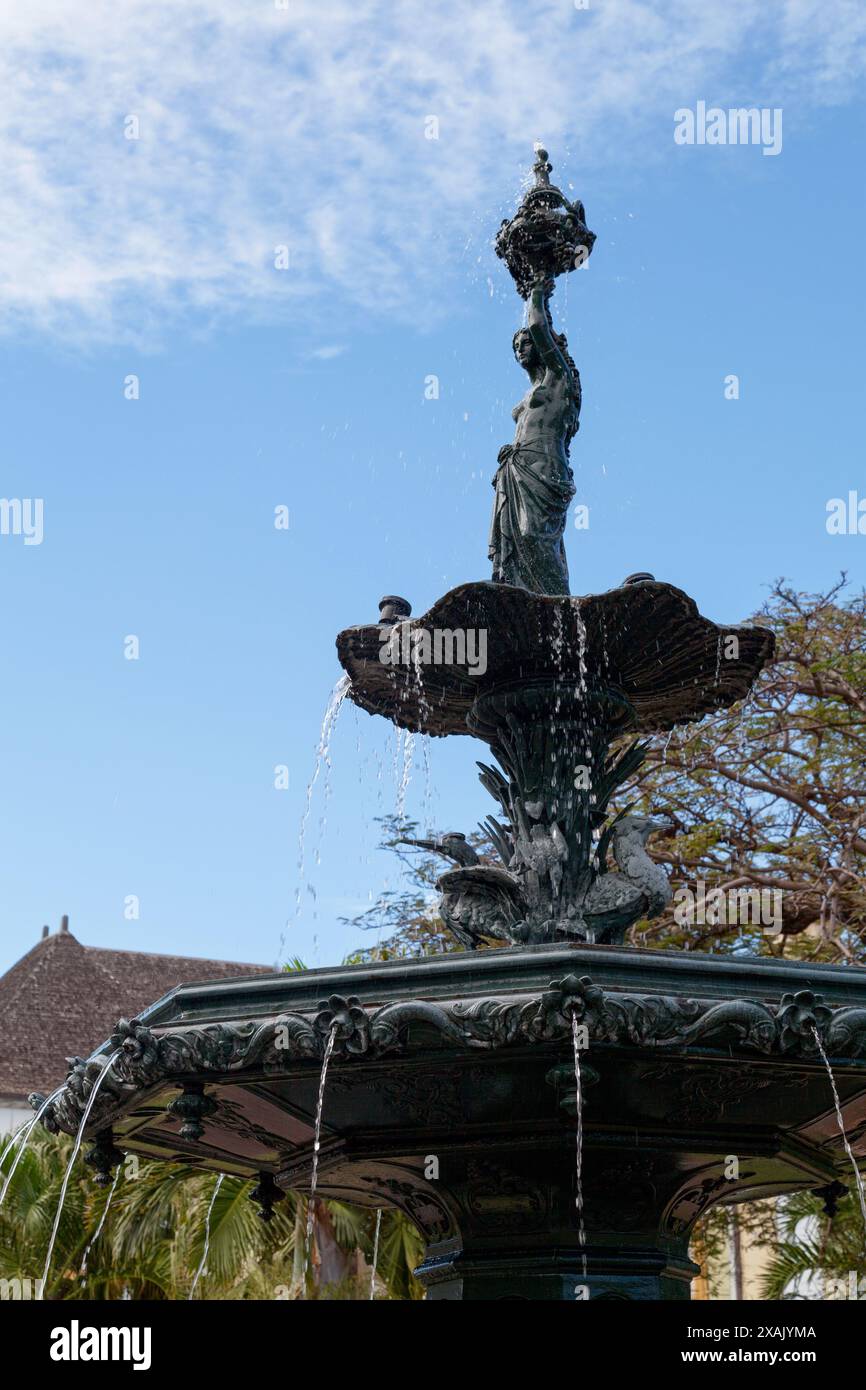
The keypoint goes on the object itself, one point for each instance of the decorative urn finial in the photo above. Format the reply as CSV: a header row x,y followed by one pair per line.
x,y
547,236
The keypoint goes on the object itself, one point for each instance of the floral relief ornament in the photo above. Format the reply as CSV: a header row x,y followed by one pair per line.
x,y
347,1020
800,1016
567,999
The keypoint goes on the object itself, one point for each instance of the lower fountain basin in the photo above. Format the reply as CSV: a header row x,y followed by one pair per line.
x,y
439,1100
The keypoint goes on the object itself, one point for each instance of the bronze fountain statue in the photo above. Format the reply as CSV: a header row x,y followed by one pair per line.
x,y
534,484
565,676
471,1057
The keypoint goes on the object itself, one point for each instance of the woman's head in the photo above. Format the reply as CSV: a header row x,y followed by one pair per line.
x,y
525,350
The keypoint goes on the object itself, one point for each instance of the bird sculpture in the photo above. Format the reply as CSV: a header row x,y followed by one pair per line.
x,y
640,888
483,902
480,903
452,845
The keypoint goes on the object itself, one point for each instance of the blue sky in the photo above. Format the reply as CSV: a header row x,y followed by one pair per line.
x,y
305,127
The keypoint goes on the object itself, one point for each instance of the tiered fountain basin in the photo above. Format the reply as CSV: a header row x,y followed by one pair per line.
x,y
645,643
450,1095
561,678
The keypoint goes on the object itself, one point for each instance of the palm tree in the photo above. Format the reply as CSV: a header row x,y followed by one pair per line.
x,y
815,1249
153,1238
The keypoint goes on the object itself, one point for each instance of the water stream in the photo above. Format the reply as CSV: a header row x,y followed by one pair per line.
x,y
667,746
14,1137
66,1176
24,1133
98,1232
427,802
578,1156
326,797
311,1208
397,754
408,757
861,1195
414,686
323,756
375,1255
204,1253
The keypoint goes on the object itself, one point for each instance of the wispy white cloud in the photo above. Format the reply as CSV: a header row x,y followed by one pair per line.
x,y
261,127
331,350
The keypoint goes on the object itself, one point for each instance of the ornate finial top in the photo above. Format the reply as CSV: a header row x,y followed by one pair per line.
x,y
547,236
541,168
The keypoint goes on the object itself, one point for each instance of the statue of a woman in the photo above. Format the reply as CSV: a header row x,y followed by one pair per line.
x,y
534,484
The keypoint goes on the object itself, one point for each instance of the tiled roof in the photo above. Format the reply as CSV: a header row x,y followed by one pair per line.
x,y
63,999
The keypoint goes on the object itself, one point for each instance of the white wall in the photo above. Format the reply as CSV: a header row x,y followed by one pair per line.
x,y
13,1114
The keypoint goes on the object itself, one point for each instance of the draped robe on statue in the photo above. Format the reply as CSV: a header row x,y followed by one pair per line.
x,y
534,487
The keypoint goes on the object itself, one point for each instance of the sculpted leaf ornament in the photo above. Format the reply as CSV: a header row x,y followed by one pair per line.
x,y
188,1057
138,1045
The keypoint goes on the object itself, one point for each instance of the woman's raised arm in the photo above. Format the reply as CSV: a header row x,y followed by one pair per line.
x,y
538,323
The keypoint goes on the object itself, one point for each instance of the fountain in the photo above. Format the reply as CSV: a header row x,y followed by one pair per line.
x,y
555,1113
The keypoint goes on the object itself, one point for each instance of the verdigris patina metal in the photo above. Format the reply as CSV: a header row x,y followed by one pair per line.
x,y
534,483
564,677
450,1096
145,1057
451,1090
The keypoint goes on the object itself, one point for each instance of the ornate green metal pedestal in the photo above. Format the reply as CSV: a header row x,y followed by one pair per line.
x,y
517,1230
450,1094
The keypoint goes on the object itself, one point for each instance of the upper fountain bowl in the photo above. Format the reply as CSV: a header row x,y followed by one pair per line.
x,y
645,642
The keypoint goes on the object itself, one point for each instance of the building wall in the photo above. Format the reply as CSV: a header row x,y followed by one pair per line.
x,y
755,1256
12,1114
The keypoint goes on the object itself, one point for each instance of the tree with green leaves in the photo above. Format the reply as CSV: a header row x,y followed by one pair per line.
x,y
770,795
406,920
817,1254
810,1253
